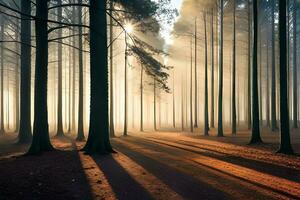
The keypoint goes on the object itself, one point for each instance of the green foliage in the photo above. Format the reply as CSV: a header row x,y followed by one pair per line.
x,y
146,53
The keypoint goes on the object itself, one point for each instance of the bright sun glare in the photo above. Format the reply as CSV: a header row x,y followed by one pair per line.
x,y
128,28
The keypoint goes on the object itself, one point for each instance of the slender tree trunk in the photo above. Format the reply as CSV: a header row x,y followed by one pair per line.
x,y
174,113
2,128
182,104
154,105
212,117
196,79
206,124
98,138
25,134
273,90
191,90
111,55
41,141
80,130
233,128
125,90
142,99
285,143
220,102
295,80
249,67
74,75
268,90
17,79
255,136
60,130
260,81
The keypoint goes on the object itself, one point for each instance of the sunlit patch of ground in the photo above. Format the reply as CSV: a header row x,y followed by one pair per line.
x,y
154,165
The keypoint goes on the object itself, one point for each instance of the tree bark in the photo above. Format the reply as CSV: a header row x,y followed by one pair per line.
x,y
98,138
255,136
212,115
142,99
60,130
2,128
206,124
125,89
273,89
80,130
295,80
196,78
111,51
220,102
25,133
233,125
41,141
285,143
249,67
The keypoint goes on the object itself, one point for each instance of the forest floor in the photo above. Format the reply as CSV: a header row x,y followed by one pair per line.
x,y
156,165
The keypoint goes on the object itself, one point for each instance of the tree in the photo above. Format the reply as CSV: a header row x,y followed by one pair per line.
x,y
234,73
2,128
111,50
142,99
154,105
126,88
273,81
285,144
196,79
212,115
80,130
98,138
255,134
191,90
220,102
249,67
41,141
25,134
295,80
60,130
206,125
173,102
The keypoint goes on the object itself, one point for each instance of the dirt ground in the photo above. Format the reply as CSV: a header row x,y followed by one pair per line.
x,y
160,165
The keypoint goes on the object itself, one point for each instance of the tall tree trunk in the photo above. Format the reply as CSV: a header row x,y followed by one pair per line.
x,y
142,99
25,134
125,90
220,102
295,80
2,128
41,141
173,103
111,55
191,90
255,136
196,79
285,143
249,67
182,104
268,90
154,105
212,115
80,130
206,124
273,90
233,125
60,129
17,79
260,80
98,138
74,74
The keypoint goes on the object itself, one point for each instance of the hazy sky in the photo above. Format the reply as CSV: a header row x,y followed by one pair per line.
x,y
167,28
